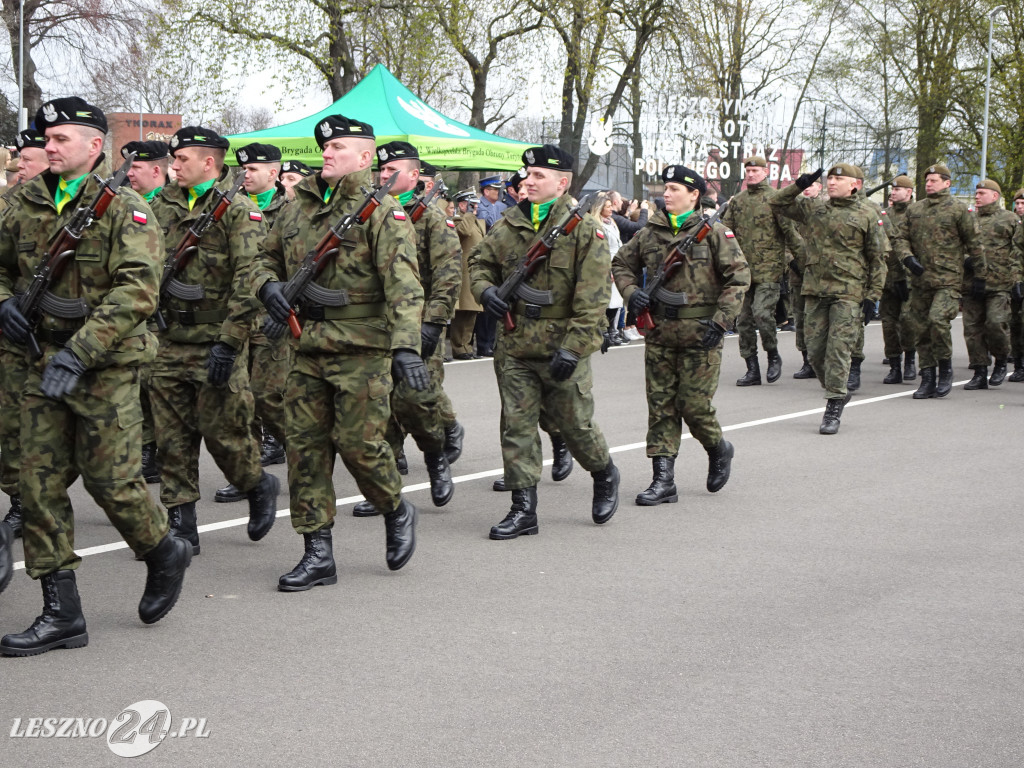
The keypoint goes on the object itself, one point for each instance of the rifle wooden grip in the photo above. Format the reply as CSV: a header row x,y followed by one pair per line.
x,y
293,323
644,320
510,324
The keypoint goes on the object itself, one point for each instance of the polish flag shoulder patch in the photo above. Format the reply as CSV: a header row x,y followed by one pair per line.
x,y
139,217
881,223
599,233
255,216
450,223
728,233
400,215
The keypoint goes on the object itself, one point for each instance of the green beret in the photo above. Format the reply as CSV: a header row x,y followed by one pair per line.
x,y
990,184
940,169
903,181
756,161
845,169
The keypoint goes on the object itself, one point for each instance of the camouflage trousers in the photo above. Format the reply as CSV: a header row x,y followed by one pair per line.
x,y
544,422
934,309
831,326
269,363
1016,329
525,383
13,371
898,335
798,318
424,415
338,404
757,315
680,386
462,332
148,431
187,410
95,433
987,327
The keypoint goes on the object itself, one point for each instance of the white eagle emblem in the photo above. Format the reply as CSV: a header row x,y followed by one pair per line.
x,y
382,154
529,156
670,172
243,156
49,113
325,129
174,141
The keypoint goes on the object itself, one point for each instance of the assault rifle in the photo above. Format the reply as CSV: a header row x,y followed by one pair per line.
x,y
177,261
538,252
883,185
315,261
421,205
674,259
37,298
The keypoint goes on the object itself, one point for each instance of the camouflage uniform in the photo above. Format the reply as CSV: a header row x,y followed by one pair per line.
x,y
576,273
937,231
95,431
681,375
899,331
857,355
1016,323
845,265
796,281
13,370
186,407
471,231
338,389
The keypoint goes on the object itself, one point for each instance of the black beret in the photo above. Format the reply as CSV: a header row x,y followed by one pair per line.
x,y
337,126
548,156
688,177
196,136
396,150
257,153
70,111
146,150
516,179
428,170
294,166
30,138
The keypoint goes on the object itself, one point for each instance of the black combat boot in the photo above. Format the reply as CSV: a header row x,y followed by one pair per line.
x,y
15,515
753,375
441,487
774,366
150,463
365,508
853,380
833,412
521,519
166,564
606,493
228,494
662,489
182,520
401,463
927,388
980,378
453,437
263,506
719,465
806,372
400,530
61,624
499,485
562,463
998,372
895,375
944,382
271,450
316,566
1018,369
6,555
910,366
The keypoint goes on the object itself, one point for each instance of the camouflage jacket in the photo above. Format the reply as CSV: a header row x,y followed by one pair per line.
x,y
715,275
996,227
471,231
440,263
938,231
115,269
762,233
796,281
891,217
376,265
277,203
221,266
846,257
576,273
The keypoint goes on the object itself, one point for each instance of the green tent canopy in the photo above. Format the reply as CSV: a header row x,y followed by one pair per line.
x,y
396,114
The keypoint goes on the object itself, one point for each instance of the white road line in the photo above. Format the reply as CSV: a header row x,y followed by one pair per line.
x,y
493,472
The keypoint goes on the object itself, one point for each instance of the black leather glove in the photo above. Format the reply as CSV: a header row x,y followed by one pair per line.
x,y
969,265
563,363
902,290
868,308
713,335
639,301
606,342
12,322
795,268
492,303
913,266
272,296
408,366
220,363
1017,292
978,287
806,179
430,335
62,374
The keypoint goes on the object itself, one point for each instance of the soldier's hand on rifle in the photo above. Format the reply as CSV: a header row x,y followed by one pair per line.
x,y
913,266
407,365
639,301
713,335
12,322
806,179
272,296
868,308
563,363
795,268
492,303
62,374
220,363
978,287
902,290
430,335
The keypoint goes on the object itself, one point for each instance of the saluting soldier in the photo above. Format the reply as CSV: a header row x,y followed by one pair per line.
x,y
899,329
200,379
545,358
80,413
292,172
349,351
683,354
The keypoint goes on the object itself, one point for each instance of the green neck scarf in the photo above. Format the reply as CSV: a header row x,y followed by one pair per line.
x,y
676,221
66,191
327,195
194,193
404,198
151,194
539,212
263,199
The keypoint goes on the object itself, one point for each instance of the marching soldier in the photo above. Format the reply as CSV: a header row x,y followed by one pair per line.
x,y
365,333
1016,300
80,413
683,355
899,331
471,231
797,264
200,379
545,358
292,172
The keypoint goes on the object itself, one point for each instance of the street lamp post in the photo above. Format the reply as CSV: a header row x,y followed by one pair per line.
x,y
988,85
22,119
